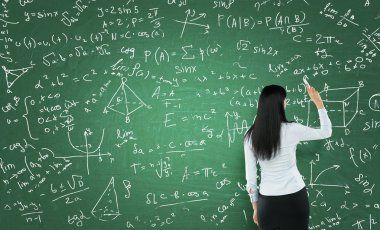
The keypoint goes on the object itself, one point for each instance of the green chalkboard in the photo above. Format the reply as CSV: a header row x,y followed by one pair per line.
x,y
130,114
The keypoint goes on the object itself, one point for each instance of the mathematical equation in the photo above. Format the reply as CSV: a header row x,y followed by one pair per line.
x,y
131,114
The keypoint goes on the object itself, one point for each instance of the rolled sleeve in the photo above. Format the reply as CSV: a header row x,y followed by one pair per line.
x,y
250,172
305,133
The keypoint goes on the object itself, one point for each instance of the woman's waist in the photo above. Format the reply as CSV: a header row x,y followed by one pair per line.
x,y
280,172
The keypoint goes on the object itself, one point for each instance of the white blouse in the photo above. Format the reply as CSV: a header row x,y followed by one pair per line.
x,y
280,175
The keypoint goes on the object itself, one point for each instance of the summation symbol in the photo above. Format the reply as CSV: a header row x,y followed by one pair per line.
x,y
107,207
125,101
12,75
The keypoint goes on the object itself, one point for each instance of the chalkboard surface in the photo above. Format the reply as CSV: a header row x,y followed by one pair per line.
x,y
130,114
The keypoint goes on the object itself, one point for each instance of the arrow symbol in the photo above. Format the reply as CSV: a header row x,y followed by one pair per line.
x,y
332,185
336,167
333,167
227,114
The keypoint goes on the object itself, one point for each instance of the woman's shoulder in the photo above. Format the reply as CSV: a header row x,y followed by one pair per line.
x,y
291,123
290,134
292,126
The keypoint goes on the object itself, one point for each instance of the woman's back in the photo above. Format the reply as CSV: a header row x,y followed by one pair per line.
x,y
282,202
280,174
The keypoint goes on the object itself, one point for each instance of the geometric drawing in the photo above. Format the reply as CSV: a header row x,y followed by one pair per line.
x,y
342,105
12,75
124,101
87,147
236,128
313,181
107,207
192,21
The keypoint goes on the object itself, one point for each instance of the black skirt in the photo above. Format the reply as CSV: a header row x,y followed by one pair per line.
x,y
286,212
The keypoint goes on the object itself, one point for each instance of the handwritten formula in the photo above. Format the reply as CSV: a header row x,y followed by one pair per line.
x,y
130,114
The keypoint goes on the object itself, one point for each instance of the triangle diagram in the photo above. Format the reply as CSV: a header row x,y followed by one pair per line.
x,y
125,101
133,101
117,102
12,75
107,207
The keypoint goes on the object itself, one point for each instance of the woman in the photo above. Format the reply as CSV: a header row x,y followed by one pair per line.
x,y
282,202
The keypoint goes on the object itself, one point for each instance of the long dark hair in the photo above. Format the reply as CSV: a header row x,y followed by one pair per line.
x,y
265,131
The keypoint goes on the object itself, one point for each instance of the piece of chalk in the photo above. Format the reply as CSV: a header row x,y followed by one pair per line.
x,y
306,83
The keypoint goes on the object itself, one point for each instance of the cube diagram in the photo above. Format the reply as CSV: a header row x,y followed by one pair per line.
x,y
341,104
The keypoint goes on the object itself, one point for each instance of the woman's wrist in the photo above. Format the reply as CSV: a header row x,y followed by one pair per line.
x,y
319,105
254,205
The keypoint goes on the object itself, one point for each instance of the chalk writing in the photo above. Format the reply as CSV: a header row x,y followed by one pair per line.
x,y
131,114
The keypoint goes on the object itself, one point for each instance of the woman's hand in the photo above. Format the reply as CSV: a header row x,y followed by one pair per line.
x,y
255,217
254,205
314,95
